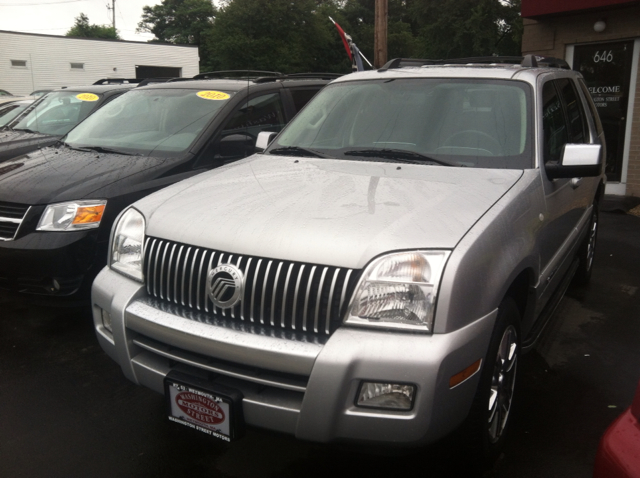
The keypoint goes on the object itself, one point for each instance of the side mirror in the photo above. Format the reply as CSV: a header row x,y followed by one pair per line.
x,y
578,160
264,140
236,146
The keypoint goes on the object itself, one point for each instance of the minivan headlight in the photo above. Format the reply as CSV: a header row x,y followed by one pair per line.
x,y
399,291
72,216
127,245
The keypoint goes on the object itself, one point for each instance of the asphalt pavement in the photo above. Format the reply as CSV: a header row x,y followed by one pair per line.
x,y
66,410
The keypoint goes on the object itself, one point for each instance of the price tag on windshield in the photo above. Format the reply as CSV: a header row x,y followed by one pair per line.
x,y
213,95
87,97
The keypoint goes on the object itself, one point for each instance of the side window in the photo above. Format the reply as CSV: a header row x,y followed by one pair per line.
x,y
238,138
302,96
592,107
578,132
553,124
258,114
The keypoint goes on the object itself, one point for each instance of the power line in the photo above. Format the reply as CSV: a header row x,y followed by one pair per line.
x,y
39,4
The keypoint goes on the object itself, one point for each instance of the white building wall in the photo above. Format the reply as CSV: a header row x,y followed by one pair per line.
x,y
49,60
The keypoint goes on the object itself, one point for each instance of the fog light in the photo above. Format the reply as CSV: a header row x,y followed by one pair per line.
x,y
106,320
390,396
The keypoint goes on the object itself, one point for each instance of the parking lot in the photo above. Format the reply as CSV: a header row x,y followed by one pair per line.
x,y
66,409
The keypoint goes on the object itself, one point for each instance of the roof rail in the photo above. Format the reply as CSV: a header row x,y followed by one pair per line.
x,y
235,74
117,81
299,76
548,61
530,61
152,81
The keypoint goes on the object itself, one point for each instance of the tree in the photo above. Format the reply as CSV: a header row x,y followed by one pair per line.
x,y
178,21
83,29
463,28
277,35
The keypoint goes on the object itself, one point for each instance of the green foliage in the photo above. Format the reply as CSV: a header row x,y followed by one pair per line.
x,y
297,35
178,21
277,35
83,29
463,28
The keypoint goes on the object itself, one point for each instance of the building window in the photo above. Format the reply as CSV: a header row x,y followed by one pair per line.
x,y
77,66
18,63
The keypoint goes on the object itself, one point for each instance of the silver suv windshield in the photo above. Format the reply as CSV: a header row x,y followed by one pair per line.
x,y
456,122
58,112
153,122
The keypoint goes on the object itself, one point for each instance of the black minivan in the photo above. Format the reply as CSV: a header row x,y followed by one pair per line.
x,y
54,115
57,204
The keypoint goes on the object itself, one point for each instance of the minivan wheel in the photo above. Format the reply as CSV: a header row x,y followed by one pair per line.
x,y
491,411
587,250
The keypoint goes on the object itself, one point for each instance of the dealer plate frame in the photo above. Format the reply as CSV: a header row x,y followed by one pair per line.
x,y
202,398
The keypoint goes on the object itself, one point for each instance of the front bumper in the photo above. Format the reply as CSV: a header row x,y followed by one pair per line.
x,y
51,263
295,384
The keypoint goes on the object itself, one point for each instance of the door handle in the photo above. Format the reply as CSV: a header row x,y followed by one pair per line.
x,y
575,182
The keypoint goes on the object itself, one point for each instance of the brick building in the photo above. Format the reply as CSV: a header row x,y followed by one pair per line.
x,y
601,39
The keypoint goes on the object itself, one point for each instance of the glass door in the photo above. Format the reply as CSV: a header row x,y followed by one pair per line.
x,y
606,68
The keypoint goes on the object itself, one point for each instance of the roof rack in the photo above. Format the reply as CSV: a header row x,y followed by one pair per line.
x,y
530,61
299,76
153,81
117,81
235,74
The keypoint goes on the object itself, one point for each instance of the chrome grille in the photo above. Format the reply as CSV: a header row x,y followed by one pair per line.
x,y
11,216
288,295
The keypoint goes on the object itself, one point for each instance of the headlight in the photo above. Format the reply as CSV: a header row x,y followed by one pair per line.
x,y
127,245
72,216
399,291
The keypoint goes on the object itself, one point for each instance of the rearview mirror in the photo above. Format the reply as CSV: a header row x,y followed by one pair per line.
x,y
578,160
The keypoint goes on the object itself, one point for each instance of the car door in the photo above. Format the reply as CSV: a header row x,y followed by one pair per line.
x,y
563,121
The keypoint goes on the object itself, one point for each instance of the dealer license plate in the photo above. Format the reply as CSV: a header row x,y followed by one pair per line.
x,y
197,404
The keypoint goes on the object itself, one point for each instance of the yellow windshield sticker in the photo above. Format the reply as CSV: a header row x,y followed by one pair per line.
x,y
213,95
87,97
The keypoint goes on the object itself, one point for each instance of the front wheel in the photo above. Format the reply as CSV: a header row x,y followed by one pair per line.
x,y
491,411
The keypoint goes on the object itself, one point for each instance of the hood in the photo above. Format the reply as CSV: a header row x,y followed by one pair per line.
x,y
57,174
16,143
331,212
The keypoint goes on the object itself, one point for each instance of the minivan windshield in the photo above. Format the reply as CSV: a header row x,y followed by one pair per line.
x,y
158,122
11,111
453,122
58,112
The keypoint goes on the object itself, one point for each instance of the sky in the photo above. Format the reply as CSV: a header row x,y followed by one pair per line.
x,y
56,17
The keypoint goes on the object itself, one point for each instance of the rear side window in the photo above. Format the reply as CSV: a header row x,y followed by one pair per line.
x,y
553,123
575,114
592,107
302,97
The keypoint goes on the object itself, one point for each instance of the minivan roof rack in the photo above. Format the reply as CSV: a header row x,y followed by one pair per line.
x,y
152,81
299,76
530,61
235,74
117,81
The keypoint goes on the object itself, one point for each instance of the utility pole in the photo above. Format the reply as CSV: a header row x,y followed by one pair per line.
x,y
113,12
380,33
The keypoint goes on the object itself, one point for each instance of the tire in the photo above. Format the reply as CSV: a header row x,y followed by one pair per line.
x,y
489,419
587,251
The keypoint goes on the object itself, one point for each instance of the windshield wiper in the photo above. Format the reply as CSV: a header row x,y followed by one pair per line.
x,y
400,154
26,130
100,149
296,151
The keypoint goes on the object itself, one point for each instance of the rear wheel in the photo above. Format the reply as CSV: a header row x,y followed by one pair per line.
x,y
491,411
587,250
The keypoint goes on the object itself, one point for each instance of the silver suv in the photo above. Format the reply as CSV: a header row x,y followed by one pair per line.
x,y
374,275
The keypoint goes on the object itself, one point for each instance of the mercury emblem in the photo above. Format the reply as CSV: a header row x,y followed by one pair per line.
x,y
225,284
